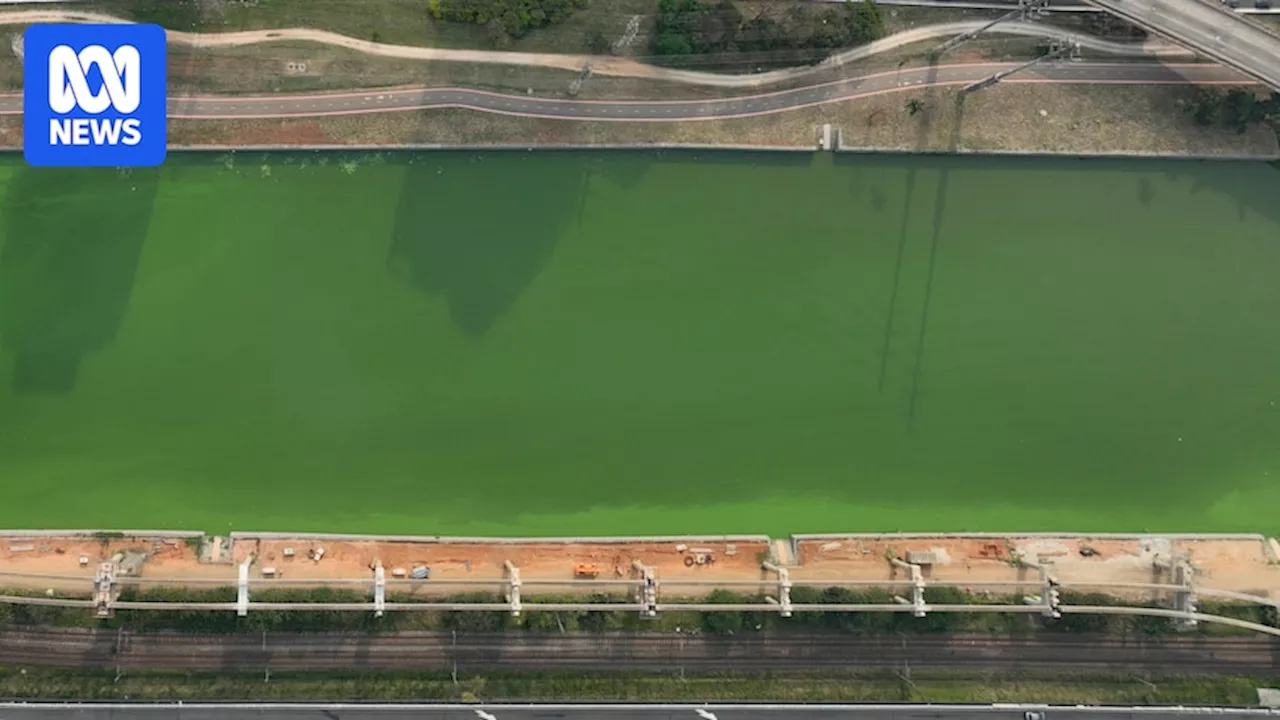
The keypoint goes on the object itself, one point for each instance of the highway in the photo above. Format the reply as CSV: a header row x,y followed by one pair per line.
x,y
1210,29
377,101
665,652
599,712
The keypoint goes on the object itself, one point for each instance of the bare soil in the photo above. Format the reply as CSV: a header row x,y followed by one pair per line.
x,y
1223,564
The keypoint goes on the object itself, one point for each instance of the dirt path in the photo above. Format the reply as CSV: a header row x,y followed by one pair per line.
x,y
612,66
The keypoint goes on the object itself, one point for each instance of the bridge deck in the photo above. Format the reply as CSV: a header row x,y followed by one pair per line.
x,y
1213,31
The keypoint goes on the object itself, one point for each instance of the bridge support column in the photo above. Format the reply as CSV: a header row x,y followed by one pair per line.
x,y
784,588
513,587
379,590
1184,600
648,593
242,592
920,608
104,582
1052,598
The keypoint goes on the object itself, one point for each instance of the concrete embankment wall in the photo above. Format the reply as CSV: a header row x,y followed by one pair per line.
x,y
510,147
506,147
731,148
761,538
1134,155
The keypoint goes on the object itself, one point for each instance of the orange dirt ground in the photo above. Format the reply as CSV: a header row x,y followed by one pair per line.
x,y
1225,564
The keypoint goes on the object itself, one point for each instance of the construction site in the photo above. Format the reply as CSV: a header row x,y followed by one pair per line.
x,y
1163,574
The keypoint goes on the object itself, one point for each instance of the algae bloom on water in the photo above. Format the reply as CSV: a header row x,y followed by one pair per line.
x,y
640,344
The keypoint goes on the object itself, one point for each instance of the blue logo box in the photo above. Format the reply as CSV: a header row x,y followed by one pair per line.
x,y
94,95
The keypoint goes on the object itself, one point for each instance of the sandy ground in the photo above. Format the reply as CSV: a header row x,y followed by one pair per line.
x,y
1224,564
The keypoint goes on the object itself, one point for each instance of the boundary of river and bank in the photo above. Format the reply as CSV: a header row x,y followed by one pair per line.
x,y
636,147
707,147
15,534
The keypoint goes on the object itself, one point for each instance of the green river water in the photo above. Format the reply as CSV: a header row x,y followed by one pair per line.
x,y
558,344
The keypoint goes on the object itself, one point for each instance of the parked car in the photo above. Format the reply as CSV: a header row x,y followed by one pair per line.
x,y
1262,4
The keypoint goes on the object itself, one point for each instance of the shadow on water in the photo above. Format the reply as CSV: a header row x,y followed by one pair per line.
x,y
476,238
72,239
939,212
1253,191
1146,193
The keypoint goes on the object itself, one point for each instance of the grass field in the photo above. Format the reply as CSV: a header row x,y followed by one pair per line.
x,y
556,344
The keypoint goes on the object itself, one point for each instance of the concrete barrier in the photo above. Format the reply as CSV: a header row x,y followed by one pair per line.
x,y
1116,155
1016,535
505,147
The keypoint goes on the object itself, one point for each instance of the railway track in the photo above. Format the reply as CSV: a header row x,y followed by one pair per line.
x,y
1254,655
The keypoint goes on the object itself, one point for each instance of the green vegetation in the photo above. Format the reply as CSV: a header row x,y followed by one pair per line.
x,y
406,22
1235,109
183,15
519,344
803,33
920,687
505,19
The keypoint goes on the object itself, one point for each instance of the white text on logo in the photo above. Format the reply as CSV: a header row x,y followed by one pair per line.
x,y
69,89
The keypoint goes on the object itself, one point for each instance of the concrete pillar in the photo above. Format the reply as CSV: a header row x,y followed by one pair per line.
x,y
1184,600
513,587
917,586
648,593
1052,598
104,586
242,595
379,590
784,588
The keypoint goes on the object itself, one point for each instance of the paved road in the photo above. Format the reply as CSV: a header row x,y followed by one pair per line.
x,y
227,108
1210,29
591,712
1247,655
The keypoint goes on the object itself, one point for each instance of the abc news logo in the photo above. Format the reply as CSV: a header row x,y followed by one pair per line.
x,y
69,89
94,95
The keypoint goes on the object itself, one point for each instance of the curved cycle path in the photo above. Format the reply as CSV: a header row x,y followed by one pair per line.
x,y
398,100
611,66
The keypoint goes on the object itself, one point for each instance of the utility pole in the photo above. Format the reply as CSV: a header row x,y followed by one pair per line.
x,y
1026,9
576,85
1056,51
628,35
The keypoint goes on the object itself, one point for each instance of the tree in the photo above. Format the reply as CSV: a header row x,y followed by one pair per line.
x,y
914,107
497,33
597,43
672,43
1240,109
722,622
865,22
515,17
